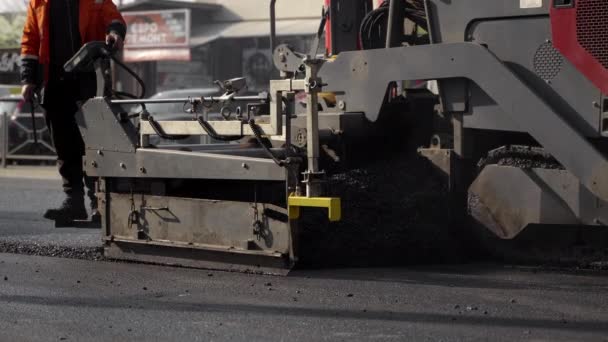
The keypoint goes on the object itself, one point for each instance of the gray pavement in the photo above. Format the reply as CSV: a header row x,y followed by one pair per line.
x,y
22,204
51,299
30,172
46,298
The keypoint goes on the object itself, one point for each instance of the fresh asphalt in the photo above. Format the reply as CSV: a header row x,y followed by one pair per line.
x,y
46,298
26,194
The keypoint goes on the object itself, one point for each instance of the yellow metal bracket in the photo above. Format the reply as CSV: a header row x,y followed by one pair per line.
x,y
333,205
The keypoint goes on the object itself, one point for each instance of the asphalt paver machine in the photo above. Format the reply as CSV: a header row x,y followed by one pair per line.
x,y
521,85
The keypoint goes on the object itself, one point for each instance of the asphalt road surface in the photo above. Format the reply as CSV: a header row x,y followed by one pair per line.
x,y
26,194
52,299
45,298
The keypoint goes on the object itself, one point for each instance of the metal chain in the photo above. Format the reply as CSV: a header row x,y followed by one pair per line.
x,y
133,214
258,230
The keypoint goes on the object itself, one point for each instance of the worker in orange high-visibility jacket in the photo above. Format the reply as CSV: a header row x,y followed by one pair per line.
x,y
53,33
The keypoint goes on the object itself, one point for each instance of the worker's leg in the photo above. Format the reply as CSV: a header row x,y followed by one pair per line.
x,y
70,149
60,111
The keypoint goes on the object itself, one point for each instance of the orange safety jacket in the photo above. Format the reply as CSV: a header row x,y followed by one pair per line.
x,y
96,19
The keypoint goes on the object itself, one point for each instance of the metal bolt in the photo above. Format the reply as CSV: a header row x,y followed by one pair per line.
x,y
435,141
282,58
99,152
301,138
596,104
123,166
342,105
142,170
94,164
245,166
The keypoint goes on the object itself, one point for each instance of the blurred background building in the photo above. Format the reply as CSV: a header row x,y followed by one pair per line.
x,y
12,17
185,44
190,43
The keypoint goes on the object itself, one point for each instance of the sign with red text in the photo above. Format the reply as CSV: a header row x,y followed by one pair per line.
x,y
157,29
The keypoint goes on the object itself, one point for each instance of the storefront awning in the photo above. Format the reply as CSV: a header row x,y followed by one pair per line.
x,y
159,54
205,34
250,29
154,5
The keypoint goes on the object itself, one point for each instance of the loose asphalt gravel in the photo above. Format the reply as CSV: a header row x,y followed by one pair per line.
x,y
23,229
56,299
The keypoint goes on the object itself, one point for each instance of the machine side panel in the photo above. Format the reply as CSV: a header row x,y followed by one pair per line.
x,y
186,221
450,19
101,128
507,199
449,23
150,163
539,64
454,95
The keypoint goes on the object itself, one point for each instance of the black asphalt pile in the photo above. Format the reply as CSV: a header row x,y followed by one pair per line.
x,y
28,248
524,157
394,212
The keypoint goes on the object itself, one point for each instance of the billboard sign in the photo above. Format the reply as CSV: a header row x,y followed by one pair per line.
x,y
157,29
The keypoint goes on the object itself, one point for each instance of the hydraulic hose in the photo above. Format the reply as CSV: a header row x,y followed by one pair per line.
x,y
373,30
213,134
159,131
134,74
257,133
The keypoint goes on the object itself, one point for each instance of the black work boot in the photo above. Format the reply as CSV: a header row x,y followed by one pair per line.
x,y
71,209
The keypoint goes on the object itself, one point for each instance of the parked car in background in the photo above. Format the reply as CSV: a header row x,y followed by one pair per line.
x,y
8,103
21,144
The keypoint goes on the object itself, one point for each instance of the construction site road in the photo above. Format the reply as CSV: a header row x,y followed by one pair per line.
x,y
26,193
48,295
56,299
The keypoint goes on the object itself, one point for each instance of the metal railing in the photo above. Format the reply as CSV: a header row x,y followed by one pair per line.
x,y
18,151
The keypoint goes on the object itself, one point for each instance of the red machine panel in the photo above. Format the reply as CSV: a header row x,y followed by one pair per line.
x,y
580,33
